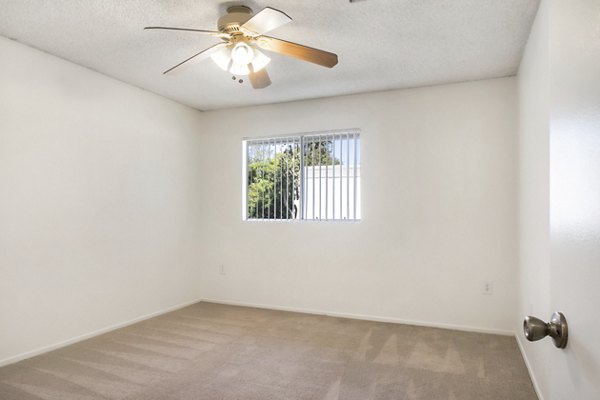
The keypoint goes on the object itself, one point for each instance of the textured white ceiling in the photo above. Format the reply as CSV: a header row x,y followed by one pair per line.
x,y
381,44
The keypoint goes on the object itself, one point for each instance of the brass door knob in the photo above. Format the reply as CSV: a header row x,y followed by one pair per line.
x,y
557,329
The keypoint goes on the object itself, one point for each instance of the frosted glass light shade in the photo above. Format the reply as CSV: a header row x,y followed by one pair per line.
x,y
239,69
222,58
260,60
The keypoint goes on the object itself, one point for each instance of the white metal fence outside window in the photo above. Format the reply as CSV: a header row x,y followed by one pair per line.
x,y
307,177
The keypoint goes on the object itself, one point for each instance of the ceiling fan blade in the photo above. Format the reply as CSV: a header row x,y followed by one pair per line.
x,y
203,31
266,20
203,54
305,53
259,79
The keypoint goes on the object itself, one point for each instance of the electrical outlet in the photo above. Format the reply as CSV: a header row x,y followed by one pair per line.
x,y
488,288
222,269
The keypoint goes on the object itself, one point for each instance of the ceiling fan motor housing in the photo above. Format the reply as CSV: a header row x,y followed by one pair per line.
x,y
235,17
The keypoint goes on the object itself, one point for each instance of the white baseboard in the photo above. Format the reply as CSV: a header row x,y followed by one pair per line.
x,y
45,349
536,386
366,317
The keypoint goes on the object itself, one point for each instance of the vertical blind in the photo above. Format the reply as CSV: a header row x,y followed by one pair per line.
x,y
308,177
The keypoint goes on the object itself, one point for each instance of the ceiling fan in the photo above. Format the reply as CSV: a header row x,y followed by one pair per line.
x,y
243,37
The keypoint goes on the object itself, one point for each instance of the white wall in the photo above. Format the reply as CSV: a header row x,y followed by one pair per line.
x,y
112,207
534,188
566,170
438,210
99,204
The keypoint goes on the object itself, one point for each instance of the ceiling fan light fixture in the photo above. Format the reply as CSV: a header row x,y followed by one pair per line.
x,y
260,60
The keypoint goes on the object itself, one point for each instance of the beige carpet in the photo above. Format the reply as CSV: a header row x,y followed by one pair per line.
x,y
208,351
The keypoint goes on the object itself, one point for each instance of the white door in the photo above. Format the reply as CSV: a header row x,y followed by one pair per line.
x,y
575,195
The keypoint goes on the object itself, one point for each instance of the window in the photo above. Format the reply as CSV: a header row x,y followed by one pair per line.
x,y
307,177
